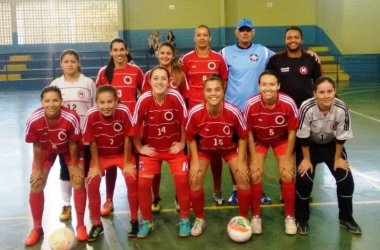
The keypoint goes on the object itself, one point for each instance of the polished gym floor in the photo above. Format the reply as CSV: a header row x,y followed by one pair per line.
x,y
325,233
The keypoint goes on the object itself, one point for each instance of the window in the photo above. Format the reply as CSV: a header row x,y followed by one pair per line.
x,y
66,21
5,24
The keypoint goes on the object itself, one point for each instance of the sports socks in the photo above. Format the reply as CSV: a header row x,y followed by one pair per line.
x,y
36,201
80,204
94,200
131,183
145,197
288,192
244,201
111,174
183,195
198,201
257,191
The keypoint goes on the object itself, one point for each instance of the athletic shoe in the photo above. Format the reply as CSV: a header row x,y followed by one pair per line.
x,y
265,200
351,226
95,232
66,213
198,227
145,229
184,228
107,208
302,228
290,225
81,233
218,198
156,207
34,237
256,225
233,200
133,229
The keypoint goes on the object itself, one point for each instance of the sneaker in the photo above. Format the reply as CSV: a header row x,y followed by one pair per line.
x,y
95,232
145,229
218,198
265,200
184,228
156,207
81,233
256,225
66,213
351,226
107,208
134,229
302,228
34,237
233,200
198,227
290,225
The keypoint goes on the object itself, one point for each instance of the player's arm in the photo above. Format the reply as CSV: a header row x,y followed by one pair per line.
x,y
195,167
315,55
143,149
76,172
339,162
179,146
305,164
129,167
37,176
95,167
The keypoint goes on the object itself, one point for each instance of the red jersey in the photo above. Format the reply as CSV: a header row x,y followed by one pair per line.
x,y
109,134
219,133
182,87
198,69
161,123
271,126
126,81
53,138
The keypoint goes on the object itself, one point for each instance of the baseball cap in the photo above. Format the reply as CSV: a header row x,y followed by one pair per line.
x,y
244,22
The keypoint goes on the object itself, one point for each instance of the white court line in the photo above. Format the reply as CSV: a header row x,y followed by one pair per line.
x,y
366,116
368,179
358,91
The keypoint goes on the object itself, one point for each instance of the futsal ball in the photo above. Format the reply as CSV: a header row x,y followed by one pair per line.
x,y
239,229
62,239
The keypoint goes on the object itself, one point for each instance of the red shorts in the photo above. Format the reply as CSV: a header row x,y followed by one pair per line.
x,y
111,161
178,164
208,155
48,160
279,149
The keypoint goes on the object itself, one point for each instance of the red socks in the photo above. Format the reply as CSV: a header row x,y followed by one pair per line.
x,y
198,202
80,204
289,195
131,183
183,195
145,197
36,201
94,200
245,198
111,174
257,191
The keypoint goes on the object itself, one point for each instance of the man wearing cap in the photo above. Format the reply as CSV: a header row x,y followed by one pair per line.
x,y
245,61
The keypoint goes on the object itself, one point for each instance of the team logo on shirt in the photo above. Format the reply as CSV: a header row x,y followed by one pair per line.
x,y
81,94
117,127
168,116
226,130
62,136
211,65
127,80
333,125
303,70
254,57
279,120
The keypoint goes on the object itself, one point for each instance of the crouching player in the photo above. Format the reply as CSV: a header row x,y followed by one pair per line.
x,y
108,129
54,130
216,127
162,114
272,120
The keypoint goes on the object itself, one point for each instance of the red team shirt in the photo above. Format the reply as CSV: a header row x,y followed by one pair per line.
x,y
271,126
198,69
219,133
109,134
126,81
53,138
182,87
161,123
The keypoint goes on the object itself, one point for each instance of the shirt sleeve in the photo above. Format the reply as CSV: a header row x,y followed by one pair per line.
x,y
305,124
88,133
343,127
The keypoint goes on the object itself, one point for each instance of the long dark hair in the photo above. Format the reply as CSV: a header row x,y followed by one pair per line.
x,y
111,64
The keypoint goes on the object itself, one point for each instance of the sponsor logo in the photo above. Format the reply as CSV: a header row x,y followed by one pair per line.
x,y
254,57
285,70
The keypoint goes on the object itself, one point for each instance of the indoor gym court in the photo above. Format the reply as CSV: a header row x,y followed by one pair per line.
x,y
325,233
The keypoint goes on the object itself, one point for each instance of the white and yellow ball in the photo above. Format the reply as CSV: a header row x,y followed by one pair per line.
x,y
239,229
62,239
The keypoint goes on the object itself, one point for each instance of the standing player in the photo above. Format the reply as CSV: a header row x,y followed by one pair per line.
x,y
162,114
272,120
216,127
296,69
246,61
54,130
78,92
198,65
127,80
325,125
177,80
108,130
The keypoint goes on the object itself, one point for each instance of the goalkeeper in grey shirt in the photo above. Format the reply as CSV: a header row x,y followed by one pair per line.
x,y
325,125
